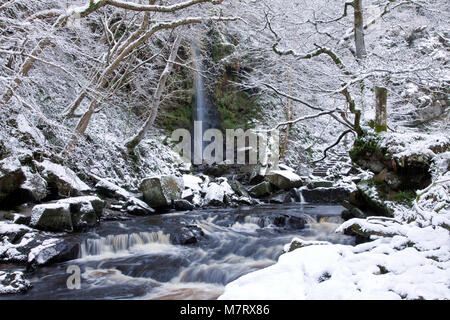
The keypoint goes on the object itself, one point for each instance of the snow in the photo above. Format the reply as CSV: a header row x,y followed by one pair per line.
x,y
214,193
408,257
39,209
9,227
345,272
64,174
44,252
288,174
13,282
192,182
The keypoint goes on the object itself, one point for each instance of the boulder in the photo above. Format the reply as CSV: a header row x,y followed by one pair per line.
x,y
34,187
284,179
298,243
61,179
137,207
282,221
183,205
52,217
12,232
325,195
53,251
186,235
11,177
373,199
214,195
320,184
217,170
85,211
260,190
131,205
162,190
258,174
238,188
13,282
108,189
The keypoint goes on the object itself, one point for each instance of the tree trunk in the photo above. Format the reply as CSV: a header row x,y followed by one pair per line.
x,y
359,29
137,138
381,109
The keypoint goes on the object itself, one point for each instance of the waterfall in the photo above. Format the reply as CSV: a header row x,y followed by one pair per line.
x,y
199,145
206,115
121,243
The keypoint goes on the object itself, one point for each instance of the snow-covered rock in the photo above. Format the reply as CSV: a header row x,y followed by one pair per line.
x,y
85,211
137,207
34,185
110,190
13,282
52,217
51,251
160,191
64,179
131,205
214,195
13,232
192,182
284,179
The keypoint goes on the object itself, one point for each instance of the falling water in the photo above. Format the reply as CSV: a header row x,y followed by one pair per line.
x,y
206,115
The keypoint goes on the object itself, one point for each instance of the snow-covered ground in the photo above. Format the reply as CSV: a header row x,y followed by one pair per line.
x,y
409,257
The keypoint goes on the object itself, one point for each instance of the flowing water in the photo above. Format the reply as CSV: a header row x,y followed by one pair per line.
x,y
206,115
134,259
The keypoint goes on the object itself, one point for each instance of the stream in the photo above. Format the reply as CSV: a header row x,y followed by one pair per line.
x,y
134,259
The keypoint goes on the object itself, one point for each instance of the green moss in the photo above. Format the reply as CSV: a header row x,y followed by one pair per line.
x,y
365,147
404,197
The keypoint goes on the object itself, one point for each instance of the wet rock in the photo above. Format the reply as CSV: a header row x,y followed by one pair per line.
x,y
283,221
52,217
258,174
238,188
61,179
161,191
183,205
325,195
284,179
186,235
53,251
260,190
13,282
292,196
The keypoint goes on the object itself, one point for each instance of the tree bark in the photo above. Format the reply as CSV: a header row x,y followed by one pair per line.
x,y
381,109
359,29
137,138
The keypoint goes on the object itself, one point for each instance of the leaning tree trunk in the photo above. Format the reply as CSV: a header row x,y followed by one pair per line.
x,y
156,101
359,29
381,109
